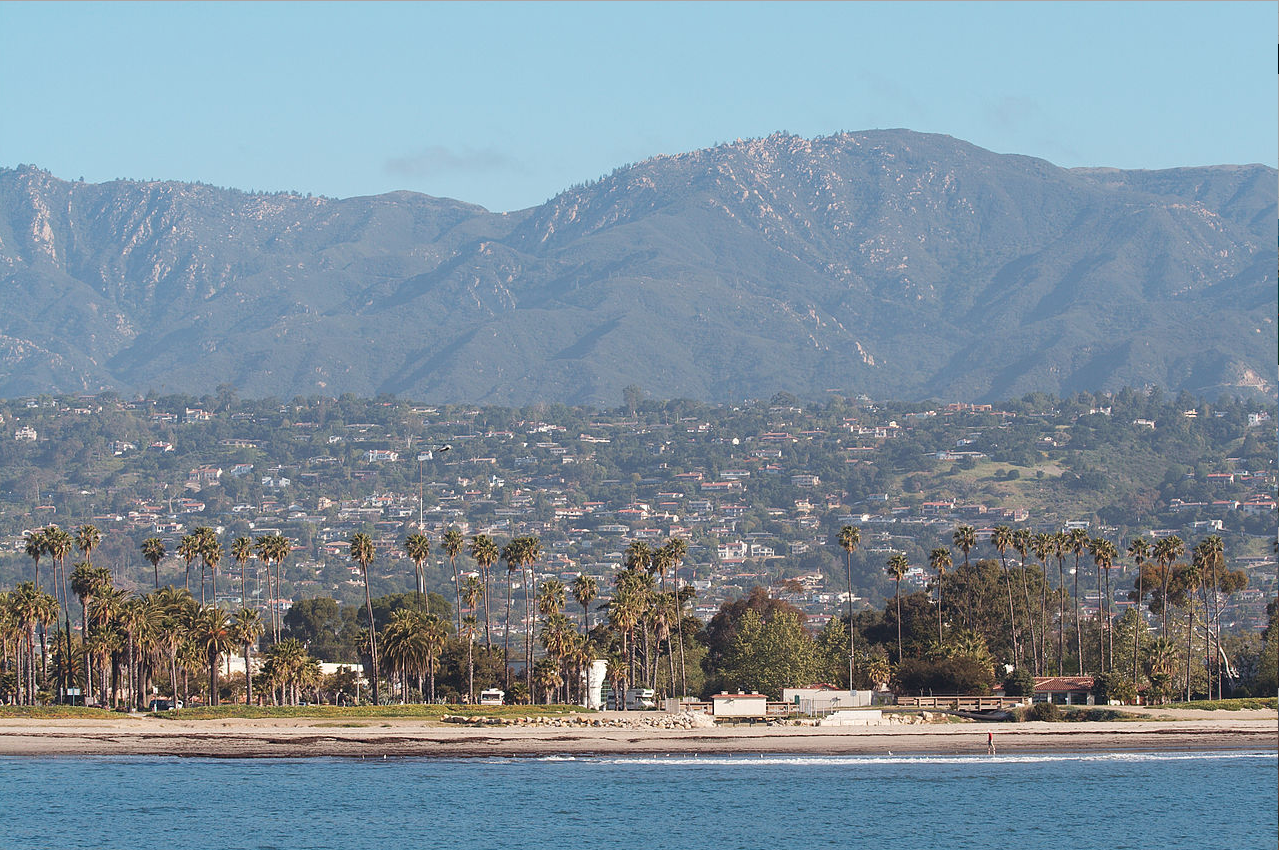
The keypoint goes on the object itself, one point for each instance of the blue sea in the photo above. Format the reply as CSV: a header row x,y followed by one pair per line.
x,y
1200,800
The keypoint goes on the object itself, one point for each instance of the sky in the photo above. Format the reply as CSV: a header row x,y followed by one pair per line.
x,y
506,104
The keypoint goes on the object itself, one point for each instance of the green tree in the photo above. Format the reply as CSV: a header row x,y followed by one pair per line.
x,y
362,553
769,655
848,539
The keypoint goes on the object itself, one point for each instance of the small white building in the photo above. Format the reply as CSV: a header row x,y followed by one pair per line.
x,y
823,698
739,705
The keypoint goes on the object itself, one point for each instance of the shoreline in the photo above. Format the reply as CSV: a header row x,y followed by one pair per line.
x,y
407,737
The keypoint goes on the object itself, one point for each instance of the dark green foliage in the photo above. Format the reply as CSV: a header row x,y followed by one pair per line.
x,y
1019,683
944,677
1042,711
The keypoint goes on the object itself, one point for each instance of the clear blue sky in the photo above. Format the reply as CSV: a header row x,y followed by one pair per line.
x,y
505,104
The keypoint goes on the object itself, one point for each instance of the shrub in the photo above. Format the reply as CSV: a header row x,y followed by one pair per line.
x,y
1043,711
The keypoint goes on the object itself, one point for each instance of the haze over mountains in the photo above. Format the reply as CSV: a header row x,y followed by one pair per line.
x,y
890,263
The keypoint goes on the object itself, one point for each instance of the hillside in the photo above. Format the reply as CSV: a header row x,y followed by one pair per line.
x,y
889,262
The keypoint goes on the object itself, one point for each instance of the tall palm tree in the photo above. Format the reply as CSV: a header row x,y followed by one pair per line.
x,y
530,554
897,567
486,554
418,547
211,555
213,631
246,628
453,542
965,538
1060,546
242,551
58,544
87,539
940,561
362,554
585,589
677,550
153,553
1043,545
87,581
188,551
511,555
472,595
1077,542
1139,551
1001,537
35,549
1021,544
1103,556
848,539
1166,551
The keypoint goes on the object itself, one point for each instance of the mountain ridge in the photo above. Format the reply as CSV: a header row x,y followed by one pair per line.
x,y
887,262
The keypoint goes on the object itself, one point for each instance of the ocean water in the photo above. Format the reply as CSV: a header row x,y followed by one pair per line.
x,y
1199,800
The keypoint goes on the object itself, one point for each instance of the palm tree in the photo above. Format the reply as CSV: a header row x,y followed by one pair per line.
x,y
87,581
1001,537
511,555
35,549
1166,551
362,554
965,538
897,567
153,552
585,589
848,539
677,550
189,550
212,630
1139,551
1041,544
1060,546
418,547
211,554
940,561
245,630
486,554
1021,545
472,595
58,543
1103,556
1077,542
453,542
242,551
87,539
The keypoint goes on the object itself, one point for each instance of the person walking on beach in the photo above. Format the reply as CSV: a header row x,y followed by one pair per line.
x,y
990,743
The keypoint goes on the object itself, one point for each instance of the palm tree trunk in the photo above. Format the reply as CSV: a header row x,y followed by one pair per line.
x,y
1061,622
1012,614
848,560
248,675
898,596
506,637
368,602
1139,627
1079,627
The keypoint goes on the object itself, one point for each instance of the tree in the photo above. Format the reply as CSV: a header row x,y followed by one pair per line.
x,y
965,538
1103,554
849,538
211,629
242,551
1077,542
769,655
1001,537
453,542
362,553
940,561
486,554
584,590
1139,551
897,567
153,553
87,581
418,547
246,628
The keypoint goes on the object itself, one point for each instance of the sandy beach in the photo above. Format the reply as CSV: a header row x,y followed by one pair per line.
x,y
378,737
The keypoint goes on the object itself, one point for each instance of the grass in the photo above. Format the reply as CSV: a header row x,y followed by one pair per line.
x,y
339,712
58,712
1227,704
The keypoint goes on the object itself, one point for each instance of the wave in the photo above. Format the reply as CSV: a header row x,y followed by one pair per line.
x,y
775,760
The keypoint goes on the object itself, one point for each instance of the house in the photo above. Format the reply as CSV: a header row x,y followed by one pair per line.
x,y
1064,690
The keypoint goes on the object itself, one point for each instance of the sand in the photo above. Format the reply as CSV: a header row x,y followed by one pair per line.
x,y
1197,731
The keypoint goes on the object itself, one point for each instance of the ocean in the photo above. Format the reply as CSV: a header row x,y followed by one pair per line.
x,y
1170,800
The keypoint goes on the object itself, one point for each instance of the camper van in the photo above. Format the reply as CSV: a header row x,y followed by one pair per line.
x,y
637,699
492,696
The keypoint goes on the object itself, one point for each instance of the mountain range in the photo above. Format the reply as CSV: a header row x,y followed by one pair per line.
x,y
891,263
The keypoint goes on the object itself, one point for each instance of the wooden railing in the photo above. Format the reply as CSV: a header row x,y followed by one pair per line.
x,y
962,703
